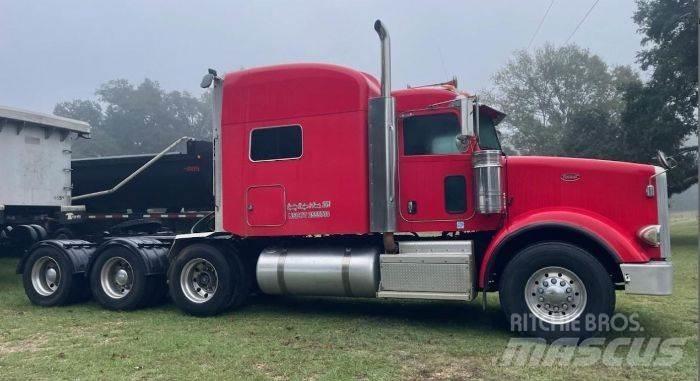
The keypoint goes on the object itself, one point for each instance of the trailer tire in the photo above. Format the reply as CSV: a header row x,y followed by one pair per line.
x,y
49,279
554,289
119,280
203,281
63,233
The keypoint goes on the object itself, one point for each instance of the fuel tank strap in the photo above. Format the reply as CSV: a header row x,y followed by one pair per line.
x,y
280,271
345,271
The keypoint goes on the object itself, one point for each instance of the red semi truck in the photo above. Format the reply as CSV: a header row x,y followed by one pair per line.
x,y
329,183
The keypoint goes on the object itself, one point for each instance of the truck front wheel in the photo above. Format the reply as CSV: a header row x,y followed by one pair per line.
x,y
204,281
554,289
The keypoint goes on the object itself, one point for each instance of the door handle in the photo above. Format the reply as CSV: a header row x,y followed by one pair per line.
x,y
412,207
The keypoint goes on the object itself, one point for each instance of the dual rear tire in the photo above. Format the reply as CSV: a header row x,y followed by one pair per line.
x,y
119,280
50,279
207,279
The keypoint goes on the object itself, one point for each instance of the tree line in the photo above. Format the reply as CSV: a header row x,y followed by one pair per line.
x,y
560,100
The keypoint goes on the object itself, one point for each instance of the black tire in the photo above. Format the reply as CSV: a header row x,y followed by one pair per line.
x,y
63,233
232,282
143,289
597,284
40,231
71,287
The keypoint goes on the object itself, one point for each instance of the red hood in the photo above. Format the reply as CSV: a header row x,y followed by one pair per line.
x,y
609,190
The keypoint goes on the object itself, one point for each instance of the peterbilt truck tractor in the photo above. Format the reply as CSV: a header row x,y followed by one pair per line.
x,y
329,183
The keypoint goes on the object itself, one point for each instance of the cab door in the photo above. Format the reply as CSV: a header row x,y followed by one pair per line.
x,y
434,176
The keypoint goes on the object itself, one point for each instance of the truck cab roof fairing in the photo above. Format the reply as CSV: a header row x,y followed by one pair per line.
x,y
295,90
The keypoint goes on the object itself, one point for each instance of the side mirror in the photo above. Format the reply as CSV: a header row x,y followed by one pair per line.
x,y
466,107
462,142
208,78
662,159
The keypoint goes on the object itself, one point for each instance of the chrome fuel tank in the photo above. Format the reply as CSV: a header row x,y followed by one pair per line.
x,y
319,270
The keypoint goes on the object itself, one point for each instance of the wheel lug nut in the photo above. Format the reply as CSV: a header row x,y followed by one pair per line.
x,y
568,290
545,284
540,290
562,283
546,305
541,299
570,298
564,306
556,308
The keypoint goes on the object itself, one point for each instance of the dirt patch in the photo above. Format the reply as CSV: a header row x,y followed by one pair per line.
x,y
443,369
33,343
269,373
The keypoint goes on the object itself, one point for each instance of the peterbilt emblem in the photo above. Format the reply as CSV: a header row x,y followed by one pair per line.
x,y
570,176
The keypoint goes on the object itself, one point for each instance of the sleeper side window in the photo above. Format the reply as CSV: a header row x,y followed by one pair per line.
x,y
275,143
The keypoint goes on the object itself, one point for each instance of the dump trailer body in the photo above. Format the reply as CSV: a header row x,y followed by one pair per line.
x,y
176,182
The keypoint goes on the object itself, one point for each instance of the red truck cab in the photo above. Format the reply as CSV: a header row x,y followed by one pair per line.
x,y
318,161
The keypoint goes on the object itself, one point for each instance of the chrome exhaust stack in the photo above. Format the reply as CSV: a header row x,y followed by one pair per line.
x,y
382,148
386,58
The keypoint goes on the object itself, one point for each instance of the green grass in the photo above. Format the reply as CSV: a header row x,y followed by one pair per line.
x,y
314,338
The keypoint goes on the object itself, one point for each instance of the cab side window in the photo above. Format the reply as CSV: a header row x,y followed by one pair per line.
x,y
430,134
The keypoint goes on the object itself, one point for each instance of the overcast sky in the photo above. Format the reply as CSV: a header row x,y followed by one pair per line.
x,y
52,51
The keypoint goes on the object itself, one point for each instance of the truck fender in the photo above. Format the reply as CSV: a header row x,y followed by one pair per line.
x,y
79,252
183,240
152,251
618,246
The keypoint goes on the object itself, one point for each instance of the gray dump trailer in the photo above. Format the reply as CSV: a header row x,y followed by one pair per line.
x,y
35,172
45,194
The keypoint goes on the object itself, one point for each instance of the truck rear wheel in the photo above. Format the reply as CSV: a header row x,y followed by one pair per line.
x,y
49,279
119,281
204,281
554,290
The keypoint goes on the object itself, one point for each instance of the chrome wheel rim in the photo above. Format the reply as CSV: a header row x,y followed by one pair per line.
x,y
199,280
117,277
46,276
555,295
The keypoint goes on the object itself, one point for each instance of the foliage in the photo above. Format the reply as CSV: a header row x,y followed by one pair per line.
x,y
128,119
670,51
565,101
551,94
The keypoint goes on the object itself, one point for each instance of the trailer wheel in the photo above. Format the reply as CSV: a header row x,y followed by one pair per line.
x,y
119,281
49,279
554,290
204,282
63,233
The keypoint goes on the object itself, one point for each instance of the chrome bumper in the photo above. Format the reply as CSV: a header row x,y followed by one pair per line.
x,y
652,278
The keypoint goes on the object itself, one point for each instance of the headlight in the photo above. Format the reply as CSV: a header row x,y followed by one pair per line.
x,y
650,234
